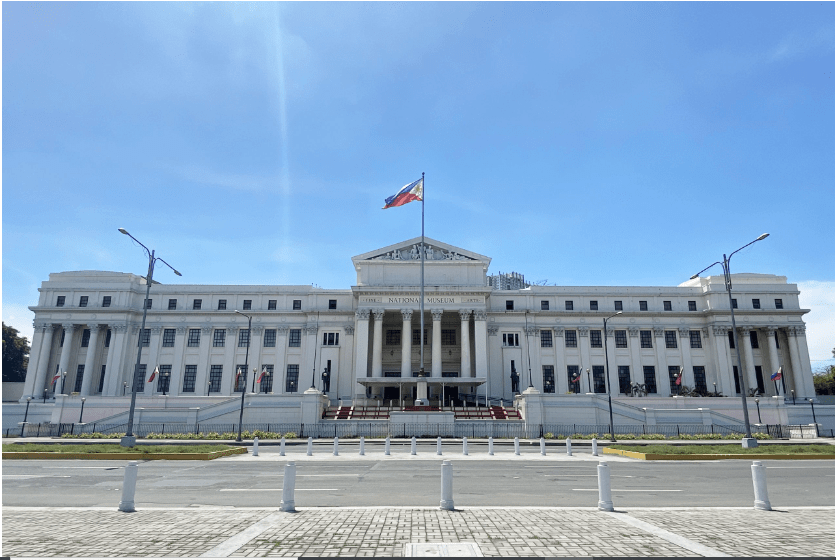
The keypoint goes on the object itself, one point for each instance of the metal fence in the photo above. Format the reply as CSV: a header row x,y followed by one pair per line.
x,y
668,430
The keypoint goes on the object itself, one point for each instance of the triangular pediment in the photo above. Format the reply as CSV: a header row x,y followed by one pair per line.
x,y
409,251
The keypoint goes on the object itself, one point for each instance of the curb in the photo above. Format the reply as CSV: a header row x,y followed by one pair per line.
x,y
126,456
716,456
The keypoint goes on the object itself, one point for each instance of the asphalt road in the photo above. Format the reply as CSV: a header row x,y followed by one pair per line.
x,y
528,480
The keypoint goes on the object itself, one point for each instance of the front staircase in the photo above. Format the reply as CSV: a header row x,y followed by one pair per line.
x,y
382,412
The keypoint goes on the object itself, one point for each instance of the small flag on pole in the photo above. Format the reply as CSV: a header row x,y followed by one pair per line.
x,y
154,374
679,376
412,191
575,376
260,377
56,378
777,375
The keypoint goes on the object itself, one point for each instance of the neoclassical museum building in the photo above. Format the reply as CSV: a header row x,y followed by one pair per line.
x,y
483,335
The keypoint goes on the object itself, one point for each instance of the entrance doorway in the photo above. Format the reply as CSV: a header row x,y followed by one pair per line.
x,y
391,393
451,396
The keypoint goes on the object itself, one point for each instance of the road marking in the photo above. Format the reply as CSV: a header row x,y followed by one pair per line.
x,y
277,489
629,490
25,476
304,475
667,535
821,467
232,544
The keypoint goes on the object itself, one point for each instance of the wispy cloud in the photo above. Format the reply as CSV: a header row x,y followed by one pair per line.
x,y
818,297
232,181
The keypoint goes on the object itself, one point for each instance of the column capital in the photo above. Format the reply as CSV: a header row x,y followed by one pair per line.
x,y
406,314
233,329
362,314
531,331
583,331
119,328
720,331
156,329
465,314
349,330
258,330
492,330
182,329
207,329
684,332
659,332
480,315
771,330
69,327
95,327
796,330
44,326
611,331
378,314
282,330
558,331
633,331
437,314
311,329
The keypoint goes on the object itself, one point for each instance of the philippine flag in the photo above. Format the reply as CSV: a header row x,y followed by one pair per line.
x,y
410,192
260,377
154,374
777,375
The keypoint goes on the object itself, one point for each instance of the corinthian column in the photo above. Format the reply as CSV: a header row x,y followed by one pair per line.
x,y
773,358
43,361
69,329
89,362
480,331
465,316
436,359
406,343
377,348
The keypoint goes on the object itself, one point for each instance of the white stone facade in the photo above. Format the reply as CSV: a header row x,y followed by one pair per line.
x,y
369,333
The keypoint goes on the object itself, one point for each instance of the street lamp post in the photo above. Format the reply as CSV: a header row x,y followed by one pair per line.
x,y
25,416
528,349
793,395
588,381
748,440
129,439
246,365
165,376
815,423
81,414
607,375
255,372
758,405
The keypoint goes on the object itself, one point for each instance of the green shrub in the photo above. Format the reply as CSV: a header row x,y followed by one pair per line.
x,y
548,435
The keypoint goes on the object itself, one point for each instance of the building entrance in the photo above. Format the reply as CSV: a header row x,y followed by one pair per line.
x,y
391,393
451,396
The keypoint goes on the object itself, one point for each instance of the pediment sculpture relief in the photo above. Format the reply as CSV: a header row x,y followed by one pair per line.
x,y
414,253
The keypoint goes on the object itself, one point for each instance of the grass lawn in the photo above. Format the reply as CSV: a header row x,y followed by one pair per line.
x,y
111,448
729,448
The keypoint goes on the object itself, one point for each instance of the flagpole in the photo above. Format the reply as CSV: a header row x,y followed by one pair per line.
x,y
421,335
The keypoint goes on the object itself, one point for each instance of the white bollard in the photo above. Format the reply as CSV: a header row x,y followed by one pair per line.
x,y
759,482
386,447
516,446
446,485
569,446
594,447
542,446
310,446
464,445
604,490
336,446
412,452
490,445
255,446
129,488
288,487
281,447
362,445
438,446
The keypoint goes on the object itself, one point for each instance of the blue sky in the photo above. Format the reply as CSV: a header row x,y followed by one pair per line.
x,y
578,143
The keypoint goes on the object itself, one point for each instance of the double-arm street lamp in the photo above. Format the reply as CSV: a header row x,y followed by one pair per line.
x,y
607,375
748,440
129,439
246,365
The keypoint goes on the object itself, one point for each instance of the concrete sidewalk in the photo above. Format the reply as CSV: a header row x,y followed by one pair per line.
x,y
501,531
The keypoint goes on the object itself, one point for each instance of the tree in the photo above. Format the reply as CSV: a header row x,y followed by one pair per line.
x,y
15,355
823,381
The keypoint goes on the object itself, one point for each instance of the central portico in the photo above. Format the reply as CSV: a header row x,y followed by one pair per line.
x,y
388,303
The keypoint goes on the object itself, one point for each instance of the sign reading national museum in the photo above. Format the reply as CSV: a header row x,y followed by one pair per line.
x,y
428,300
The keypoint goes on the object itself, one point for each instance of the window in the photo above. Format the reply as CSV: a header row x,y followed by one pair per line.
x,y
221,304
619,306
650,379
759,379
570,305
189,377
194,339
753,338
85,338
219,338
148,303
646,339
145,337
673,371
598,379
696,341
449,374
624,379
333,338
393,337
593,306
736,380
595,339
79,375
544,306
509,305
243,338
271,305
215,376
164,379
248,304
731,341
570,339
666,305
266,385
102,378
292,379
106,301
392,374
756,304
107,339
294,340
572,374
168,337
63,335
332,304
670,339
510,339
734,303
82,301
548,379
692,306
269,338
779,304
642,306
699,379
139,378
60,301
297,304
196,304
621,339
240,384
546,340
172,305
415,341
448,337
